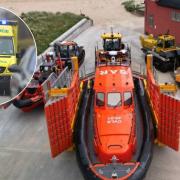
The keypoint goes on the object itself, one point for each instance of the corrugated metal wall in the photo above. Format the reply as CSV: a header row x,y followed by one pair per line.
x,y
60,113
167,112
58,124
169,121
162,20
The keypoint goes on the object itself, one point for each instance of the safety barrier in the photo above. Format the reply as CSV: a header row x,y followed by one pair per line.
x,y
58,124
47,85
154,93
89,70
60,111
167,113
57,82
169,121
64,79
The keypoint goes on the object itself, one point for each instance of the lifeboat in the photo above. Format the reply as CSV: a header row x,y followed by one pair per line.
x,y
32,96
114,131
107,115
53,64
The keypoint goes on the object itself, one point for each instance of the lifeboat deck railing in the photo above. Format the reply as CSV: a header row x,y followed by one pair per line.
x,y
110,63
88,71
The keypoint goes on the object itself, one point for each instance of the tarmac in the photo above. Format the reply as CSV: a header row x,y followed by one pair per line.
x,y
4,99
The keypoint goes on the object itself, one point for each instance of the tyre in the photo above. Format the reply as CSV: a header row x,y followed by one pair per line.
x,y
81,57
159,65
7,89
5,86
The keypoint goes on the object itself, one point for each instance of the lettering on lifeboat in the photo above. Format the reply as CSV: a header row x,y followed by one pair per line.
x,y
121,71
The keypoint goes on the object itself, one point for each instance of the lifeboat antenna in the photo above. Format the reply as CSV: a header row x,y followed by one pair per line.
x,y
112,32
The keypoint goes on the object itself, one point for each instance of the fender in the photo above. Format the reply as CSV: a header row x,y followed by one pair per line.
x,y
145,157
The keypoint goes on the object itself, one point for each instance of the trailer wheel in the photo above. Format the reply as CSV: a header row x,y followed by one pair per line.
x,y
159,65
1,91
5,86
7,89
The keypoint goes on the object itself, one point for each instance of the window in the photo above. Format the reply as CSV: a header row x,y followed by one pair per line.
x,y
176,16
160,43
72,51
114,99
64,51
151,21
169,43
111,44
6,46
100,100
127,98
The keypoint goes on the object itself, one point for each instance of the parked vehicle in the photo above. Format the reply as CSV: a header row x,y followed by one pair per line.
x,y
8,53
166,56
32,95
67,49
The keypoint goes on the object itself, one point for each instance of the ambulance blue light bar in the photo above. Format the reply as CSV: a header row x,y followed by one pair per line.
x,y
4,22
7,22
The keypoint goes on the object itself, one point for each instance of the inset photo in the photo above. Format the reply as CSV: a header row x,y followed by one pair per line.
x,y
18,55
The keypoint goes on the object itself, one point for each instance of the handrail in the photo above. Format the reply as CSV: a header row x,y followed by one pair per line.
x,y
62,81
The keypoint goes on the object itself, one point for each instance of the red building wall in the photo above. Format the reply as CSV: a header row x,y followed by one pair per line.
x,y
162,18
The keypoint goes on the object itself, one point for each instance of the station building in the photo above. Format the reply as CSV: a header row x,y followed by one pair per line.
x,y
163,16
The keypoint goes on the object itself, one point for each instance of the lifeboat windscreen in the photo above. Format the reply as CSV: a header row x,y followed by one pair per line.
x,y
128,99
100,99
114,99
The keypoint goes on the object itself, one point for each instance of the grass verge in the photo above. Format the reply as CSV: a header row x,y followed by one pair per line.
x,y
47,26
132,6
